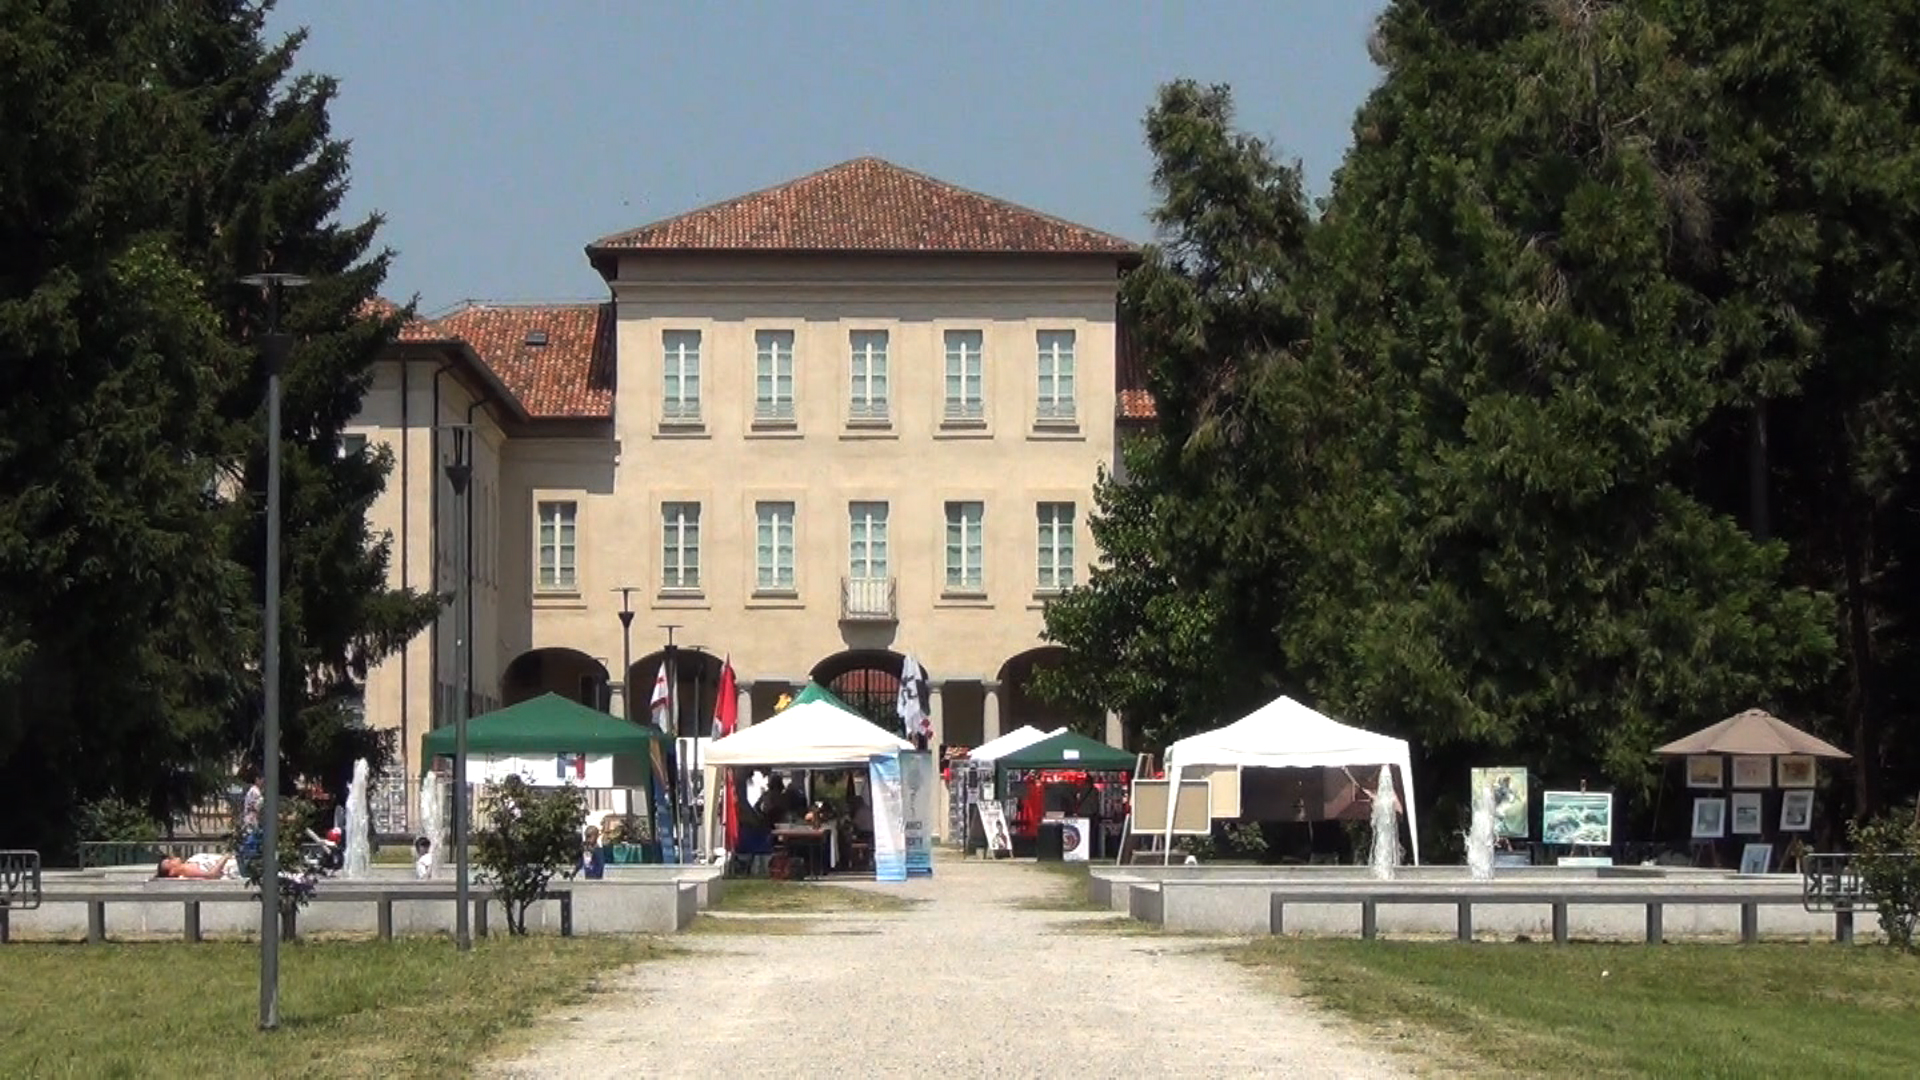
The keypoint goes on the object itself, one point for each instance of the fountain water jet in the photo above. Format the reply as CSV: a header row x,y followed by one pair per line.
x,y
1480,837
359,858
1386,826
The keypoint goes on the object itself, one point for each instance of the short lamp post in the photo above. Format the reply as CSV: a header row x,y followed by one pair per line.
x,y
459,469
626,648
274,347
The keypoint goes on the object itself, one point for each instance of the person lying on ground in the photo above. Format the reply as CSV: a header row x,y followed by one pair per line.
x,y
205,866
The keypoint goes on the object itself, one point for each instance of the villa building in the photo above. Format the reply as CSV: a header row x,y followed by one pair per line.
x,y
813,429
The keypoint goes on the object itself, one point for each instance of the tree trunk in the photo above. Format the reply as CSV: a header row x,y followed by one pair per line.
x,y
1860,702
1758,474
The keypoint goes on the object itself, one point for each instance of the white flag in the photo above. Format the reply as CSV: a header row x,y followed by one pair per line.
x,y
913,719
662,704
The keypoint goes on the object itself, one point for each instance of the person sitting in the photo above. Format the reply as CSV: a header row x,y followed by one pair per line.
x,y
422,858
206,866
593,859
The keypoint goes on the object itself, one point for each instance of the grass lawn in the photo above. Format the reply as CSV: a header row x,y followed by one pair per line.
x,y
1598,1009
1069,888
761,896
347,1008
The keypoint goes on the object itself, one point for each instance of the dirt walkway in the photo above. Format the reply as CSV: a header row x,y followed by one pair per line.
x,y
966,984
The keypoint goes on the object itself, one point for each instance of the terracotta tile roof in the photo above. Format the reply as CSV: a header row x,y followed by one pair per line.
x,y
569,376
1133,400
867,205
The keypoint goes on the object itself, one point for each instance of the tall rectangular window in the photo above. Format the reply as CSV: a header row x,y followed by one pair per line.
x,y
680,545
964,372
966,547
773,375
556,570
681,392
867,541
1056,376
869,398
1056,546
773,546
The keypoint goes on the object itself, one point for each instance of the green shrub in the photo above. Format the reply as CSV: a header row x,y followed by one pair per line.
x,y
533,834
114,819
1887,855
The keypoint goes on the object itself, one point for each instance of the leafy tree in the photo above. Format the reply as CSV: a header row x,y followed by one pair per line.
x,y
533,834
1194,566
1525,373
115,596
271,180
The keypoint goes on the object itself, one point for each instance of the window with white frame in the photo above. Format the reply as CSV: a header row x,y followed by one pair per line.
x,y
773,376
1055,403
867,541
557,571
964,375
680,394
773,546
869,398
680,545
966,547
1056,546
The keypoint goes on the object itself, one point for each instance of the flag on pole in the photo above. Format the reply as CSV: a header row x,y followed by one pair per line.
x,y
913,687
726,714
661,710
661,706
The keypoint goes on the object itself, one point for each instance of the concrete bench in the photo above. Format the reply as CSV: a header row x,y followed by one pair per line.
x,y
192,898
1464,901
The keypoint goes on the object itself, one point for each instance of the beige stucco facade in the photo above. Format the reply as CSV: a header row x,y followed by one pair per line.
x,y
734,454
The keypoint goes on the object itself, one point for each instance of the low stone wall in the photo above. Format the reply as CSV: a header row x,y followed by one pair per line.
x,y
662,901
1241,905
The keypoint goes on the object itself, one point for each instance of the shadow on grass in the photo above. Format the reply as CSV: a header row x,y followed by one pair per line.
x,y
754,896
747,926
1068,891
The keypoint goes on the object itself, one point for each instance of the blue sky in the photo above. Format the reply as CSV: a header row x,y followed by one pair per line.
x,y
500,136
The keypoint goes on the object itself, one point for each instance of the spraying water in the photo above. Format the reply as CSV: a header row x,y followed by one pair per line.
x,y
1386,827
359,832
1480,837
428,823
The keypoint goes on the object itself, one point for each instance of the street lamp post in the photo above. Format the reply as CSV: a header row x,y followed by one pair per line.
x,y
459,469
626,648
274,347
697,827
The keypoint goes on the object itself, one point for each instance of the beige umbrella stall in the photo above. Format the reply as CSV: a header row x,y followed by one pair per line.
x,y
1754,733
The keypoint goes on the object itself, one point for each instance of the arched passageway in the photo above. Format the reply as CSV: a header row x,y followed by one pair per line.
x,y
697,675
567,672
868,680
1020,702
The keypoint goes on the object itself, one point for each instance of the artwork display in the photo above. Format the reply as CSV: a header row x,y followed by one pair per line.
x,y
1756,858
1709,819
1752,772
1509,799
1577,817
1704,771
1746,813
1796,771
1796,811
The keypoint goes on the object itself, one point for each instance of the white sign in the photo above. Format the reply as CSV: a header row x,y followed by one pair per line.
x,y
1076,839
993,821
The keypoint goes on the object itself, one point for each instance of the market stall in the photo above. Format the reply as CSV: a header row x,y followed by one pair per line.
x,y
1284,734
1067,781
550,741
1752,776
818,787
970,781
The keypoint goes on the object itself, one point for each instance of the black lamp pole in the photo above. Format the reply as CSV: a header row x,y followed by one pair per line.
x,y
626,648
274,347
459,470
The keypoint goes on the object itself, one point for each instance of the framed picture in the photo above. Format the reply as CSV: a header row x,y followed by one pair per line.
x,y
1756,858
1704,771
1583,818
1796,811
1750,771
1709,819
1509,787
1746,813
1796,770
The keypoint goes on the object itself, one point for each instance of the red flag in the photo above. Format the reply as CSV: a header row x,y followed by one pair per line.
x,y
726,714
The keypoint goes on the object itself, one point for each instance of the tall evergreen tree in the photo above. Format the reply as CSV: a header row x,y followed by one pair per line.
x,y
1194,570
115,592
267,196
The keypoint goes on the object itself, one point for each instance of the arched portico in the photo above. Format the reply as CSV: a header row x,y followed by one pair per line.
x,y
555,670
866,679
698,679
1020,703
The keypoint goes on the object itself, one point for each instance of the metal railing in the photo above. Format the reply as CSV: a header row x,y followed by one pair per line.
x,y
868,599
871,410
778,411
19,880
961,410
1056,411
1830,881
95,854
683,411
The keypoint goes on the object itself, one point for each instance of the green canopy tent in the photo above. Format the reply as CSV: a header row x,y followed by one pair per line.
x,y
551,724
1067,750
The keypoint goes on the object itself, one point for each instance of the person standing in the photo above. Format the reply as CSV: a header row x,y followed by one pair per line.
x,y
250,805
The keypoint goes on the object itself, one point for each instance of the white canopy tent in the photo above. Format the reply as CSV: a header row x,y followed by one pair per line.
x,y
812,733
1013,741
1284,734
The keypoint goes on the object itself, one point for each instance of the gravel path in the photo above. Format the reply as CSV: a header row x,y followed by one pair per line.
x,y
966,984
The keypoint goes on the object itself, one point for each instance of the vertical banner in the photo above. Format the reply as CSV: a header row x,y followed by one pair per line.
x,y
917,796
889,823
